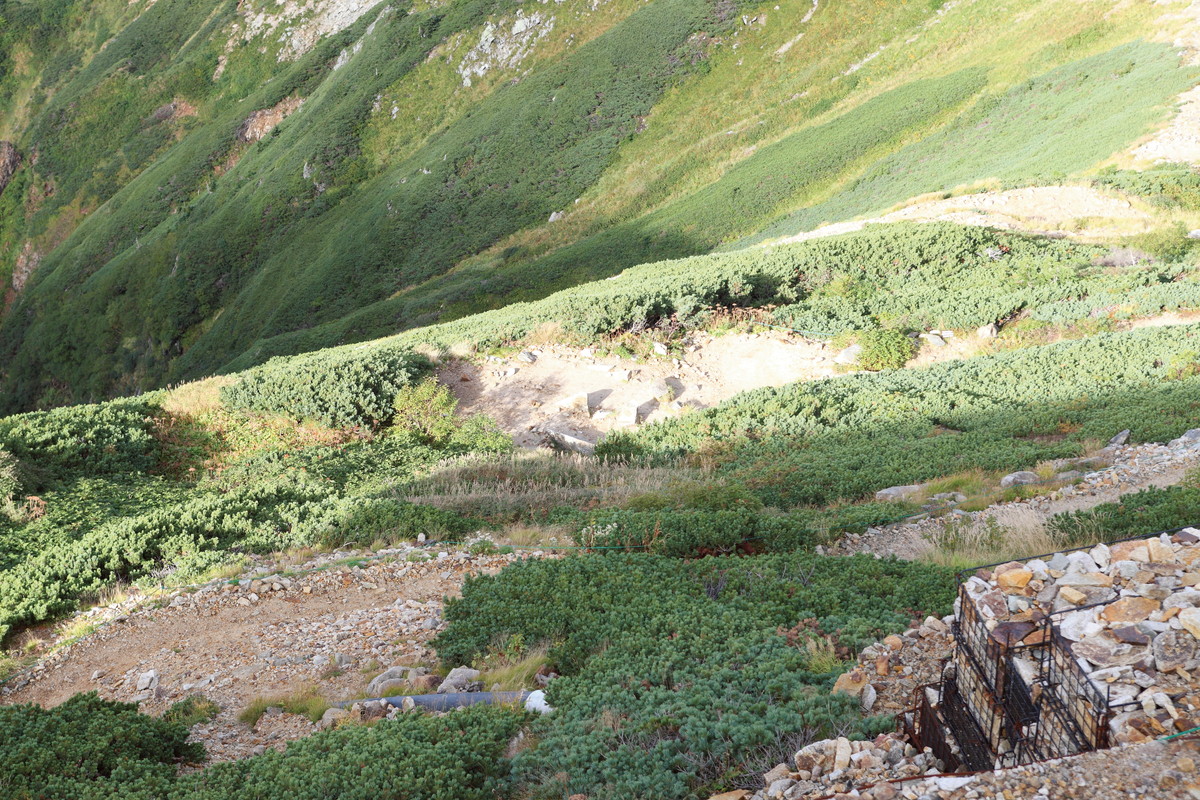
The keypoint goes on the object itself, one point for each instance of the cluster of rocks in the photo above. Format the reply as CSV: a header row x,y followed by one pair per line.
x,y
838,766
1153,771
1131,613
883,681
888,671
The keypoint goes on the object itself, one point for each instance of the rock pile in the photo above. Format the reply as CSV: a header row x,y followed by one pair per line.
x,y
840,765
1131,613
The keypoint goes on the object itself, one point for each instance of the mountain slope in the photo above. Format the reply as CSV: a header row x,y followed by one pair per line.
x,y
204,184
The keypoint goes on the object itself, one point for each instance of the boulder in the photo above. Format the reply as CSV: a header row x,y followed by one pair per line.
x,y
424,683
1188,439
569,442
536,701
397,673
841,754
1072,595
1085,579
458,680
1120,439
1130,551
776,773
332,717
868,698
1104,650
147,681
1130,634
989,331
1078,625
1159,552
1185,598
1020,478
894,494
1013,579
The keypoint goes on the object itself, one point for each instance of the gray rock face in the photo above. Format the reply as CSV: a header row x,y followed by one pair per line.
x,y
458,680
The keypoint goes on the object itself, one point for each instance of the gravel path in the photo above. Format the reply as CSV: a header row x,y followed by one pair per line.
x,y
1132,469
329,631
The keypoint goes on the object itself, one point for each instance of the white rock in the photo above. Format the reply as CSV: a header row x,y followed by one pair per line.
x,y
869,695
147,681
989,331
536,701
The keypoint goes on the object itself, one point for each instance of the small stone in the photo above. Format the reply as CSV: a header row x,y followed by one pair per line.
x,y
851,683
98,674
1014,579
893,641
526,357
1072,595
1190,619
841,754
1129,610
1173,650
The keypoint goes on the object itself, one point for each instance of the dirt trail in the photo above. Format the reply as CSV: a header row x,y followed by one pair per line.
x,y
234,644
1054,210
1133,468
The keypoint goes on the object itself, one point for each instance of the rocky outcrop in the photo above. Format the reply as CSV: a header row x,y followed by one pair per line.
x,y
504,45
10,162
263,121
27,261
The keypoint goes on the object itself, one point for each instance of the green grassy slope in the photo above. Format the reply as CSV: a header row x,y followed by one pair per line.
x,y
150,242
